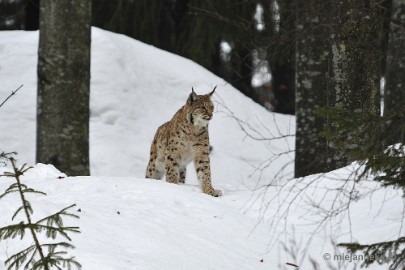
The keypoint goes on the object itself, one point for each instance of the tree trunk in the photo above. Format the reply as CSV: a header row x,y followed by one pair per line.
x,y
282,56
32,15
360,38
64,85
242,68
394,96
311,76
138,19
172,14
355,72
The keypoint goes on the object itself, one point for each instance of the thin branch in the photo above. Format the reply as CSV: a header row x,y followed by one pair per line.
x,y
12,94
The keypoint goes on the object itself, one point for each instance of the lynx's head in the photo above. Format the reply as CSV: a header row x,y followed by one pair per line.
x,y
200,108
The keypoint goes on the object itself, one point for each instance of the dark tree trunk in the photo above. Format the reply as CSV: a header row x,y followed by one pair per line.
x,y
351,38
394,96
360,37
32,15
138,19
283,74
311,76
282,56
242,68
172,14
167,26
64,85
355,71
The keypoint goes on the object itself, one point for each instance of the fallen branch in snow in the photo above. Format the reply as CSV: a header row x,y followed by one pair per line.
x,y
12,94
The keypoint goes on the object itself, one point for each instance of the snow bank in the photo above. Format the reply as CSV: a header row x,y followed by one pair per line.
x,y
129,223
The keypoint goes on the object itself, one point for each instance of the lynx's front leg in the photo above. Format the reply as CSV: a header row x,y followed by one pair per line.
x,y
202,166
183,171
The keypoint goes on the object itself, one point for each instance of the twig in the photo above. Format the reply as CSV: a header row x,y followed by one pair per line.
x,y
12,94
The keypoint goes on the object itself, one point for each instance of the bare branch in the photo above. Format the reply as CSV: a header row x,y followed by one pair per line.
x,y
12,94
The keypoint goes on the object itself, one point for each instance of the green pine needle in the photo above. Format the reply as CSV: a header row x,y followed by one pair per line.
x,y
34,257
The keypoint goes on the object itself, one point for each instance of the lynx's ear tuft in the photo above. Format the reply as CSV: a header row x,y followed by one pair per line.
x,y
210,94
192,97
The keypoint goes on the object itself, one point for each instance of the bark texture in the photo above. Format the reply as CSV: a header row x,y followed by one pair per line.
x,y
355,70
360,44
311,86
64,85
394,96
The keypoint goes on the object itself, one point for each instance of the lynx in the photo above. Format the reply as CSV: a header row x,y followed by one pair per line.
x,y
183,139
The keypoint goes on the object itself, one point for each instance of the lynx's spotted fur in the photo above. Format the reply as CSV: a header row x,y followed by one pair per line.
x,y
183,139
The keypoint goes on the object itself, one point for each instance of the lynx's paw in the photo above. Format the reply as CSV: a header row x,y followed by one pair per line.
x,y
214,192
217,193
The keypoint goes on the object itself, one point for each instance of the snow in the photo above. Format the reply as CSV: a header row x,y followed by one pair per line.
x,y
128,222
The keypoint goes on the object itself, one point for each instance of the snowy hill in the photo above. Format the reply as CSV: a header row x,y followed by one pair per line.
x,y
128,222
134,89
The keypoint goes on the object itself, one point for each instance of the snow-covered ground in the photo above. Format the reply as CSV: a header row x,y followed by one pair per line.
x,y
262,221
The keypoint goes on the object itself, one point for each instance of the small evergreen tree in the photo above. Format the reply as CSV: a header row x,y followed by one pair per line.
x,y
37,256
392,252
360,137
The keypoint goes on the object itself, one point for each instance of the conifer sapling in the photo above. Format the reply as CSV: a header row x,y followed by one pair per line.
x,y
39,255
